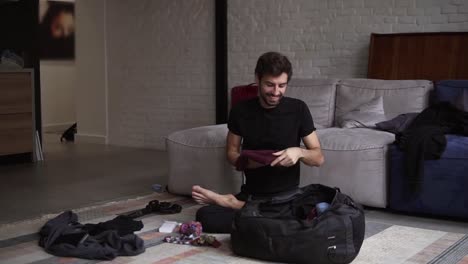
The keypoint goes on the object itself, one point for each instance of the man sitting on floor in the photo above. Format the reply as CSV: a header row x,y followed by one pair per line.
x,y
270,126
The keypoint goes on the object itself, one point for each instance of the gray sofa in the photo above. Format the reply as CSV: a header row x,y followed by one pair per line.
x,y
355,157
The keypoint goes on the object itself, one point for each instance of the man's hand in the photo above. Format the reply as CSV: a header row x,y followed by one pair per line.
x,y
287,157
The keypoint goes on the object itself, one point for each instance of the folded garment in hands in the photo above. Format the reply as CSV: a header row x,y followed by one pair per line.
x,y
264,157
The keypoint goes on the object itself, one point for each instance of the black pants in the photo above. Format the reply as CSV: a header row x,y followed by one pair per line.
x,y
215,218
218,219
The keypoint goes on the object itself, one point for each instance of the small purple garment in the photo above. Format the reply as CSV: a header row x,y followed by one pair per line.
x,y
264,157
191,228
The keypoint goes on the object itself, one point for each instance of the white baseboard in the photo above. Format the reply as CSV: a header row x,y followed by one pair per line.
x,y
57,127
86,138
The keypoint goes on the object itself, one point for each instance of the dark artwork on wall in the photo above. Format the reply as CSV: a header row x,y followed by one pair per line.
x,y
57,30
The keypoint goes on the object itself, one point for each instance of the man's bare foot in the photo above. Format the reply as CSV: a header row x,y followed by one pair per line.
x,y
205,196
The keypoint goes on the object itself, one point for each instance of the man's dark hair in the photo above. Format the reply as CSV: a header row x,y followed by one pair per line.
x,y
274,64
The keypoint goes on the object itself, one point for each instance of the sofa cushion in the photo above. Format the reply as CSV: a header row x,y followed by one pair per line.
x,y
446,176
399,96
453,91
365,115
319,95
197,156
355,162
201,137
353,139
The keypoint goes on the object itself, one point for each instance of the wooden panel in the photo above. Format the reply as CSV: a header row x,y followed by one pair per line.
x,y
16,121
410,53
381,67
438,59
462,52
15,92
16,113
16,134
430,56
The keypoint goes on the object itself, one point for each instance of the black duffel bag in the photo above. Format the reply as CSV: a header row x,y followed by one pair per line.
x,y
287,229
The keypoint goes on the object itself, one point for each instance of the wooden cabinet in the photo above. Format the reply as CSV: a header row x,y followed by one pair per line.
x,y
16,112
429,56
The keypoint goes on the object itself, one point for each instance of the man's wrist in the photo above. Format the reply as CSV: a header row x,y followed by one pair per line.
x,y
302,154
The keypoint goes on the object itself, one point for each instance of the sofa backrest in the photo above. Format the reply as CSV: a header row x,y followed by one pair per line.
x,y
399,96
329,99
319,95
453,91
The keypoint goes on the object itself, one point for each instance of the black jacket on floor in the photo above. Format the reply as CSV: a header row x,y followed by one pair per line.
x,y
424,139
64,236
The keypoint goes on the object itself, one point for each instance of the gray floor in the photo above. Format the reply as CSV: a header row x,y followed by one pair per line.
x,y
79,175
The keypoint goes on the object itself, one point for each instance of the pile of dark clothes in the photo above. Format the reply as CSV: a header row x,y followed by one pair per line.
x,y
424,138
64,236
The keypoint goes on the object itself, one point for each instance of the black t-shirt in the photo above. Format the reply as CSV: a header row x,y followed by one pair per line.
x,y
277,128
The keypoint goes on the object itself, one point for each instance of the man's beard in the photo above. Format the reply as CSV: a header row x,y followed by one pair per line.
x,y
264,98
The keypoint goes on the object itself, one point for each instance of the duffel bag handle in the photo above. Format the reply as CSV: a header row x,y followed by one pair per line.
x,y
287,197
277,199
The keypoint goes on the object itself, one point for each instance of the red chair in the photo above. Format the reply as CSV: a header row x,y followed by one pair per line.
x,y
243,92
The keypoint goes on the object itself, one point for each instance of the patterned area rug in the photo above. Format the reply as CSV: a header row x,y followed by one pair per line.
x,y
383,244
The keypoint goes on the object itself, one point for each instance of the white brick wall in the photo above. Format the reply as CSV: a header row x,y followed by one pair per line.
x,y
160,61
160,55
327,38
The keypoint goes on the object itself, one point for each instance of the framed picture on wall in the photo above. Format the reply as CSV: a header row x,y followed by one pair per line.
x,y
57,30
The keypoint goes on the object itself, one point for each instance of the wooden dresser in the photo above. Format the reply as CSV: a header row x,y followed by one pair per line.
x,y
16,112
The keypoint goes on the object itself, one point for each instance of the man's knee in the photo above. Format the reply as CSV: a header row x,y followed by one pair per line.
x,y
211,212
203,213
215,219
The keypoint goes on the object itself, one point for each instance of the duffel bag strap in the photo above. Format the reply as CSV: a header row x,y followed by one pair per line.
x,y
286,197
277,198
340,254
